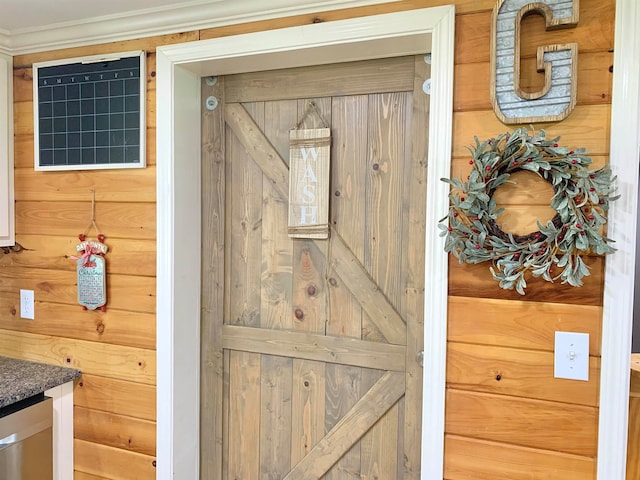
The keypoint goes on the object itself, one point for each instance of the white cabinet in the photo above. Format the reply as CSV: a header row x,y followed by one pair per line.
x,y
7,220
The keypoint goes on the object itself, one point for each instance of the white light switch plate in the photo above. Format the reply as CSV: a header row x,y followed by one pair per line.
x,y
571,359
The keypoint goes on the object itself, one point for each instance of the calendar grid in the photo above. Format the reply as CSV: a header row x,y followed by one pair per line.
x,y
90,113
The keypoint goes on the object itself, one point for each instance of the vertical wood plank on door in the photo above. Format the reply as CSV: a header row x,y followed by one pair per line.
x,y
384,241
384,177
342,392
349,152
348,159
311,297
275,417
413,301
275,119
244,207
212,295
379,445
244,416
308,406
226,413
243,277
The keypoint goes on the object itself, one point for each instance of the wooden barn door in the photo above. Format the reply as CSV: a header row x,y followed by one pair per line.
x,y
310,348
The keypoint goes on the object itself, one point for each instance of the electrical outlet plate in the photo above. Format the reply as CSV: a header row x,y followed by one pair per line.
x,y
27,309
571,359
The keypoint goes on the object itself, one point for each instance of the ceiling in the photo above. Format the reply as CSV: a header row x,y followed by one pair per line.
x,y
35,14
37,25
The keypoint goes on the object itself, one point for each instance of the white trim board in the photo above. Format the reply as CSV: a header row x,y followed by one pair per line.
x,y
179,69
62,396
7,203
180,17
620,267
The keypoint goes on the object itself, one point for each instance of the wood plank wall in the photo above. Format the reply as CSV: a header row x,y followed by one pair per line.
x,y
115,400
524,425
507,417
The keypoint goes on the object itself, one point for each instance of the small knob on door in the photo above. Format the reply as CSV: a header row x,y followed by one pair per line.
x,y
420,358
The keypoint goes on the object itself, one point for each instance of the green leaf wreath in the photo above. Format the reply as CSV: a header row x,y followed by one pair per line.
x,y
554,252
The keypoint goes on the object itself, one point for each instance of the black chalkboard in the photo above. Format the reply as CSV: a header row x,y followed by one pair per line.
x,y
89,112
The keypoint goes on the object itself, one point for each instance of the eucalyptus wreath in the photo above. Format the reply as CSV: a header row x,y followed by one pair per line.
x,y
554,252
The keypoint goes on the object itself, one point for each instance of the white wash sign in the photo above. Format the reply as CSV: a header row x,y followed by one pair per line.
x,y
559,62
309,152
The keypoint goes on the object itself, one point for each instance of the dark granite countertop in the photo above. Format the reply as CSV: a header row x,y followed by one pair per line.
x,y
20,379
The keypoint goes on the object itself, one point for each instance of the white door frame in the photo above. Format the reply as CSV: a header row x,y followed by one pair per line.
x,y
179,70
620,267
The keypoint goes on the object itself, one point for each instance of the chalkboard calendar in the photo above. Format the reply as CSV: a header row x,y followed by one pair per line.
x,y
89,112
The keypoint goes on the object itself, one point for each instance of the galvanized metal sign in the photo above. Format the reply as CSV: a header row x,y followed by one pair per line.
x,y
559,62
309,160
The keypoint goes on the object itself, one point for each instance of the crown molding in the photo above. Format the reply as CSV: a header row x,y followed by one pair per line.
x,y
4,42
160,21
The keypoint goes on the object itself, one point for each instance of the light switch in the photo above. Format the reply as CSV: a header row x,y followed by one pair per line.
x,y
571,359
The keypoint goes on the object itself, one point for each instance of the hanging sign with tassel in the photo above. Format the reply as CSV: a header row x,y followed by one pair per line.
x,y
91,267
309,162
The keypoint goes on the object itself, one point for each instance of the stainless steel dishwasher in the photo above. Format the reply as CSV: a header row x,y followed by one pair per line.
x,y
26,440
